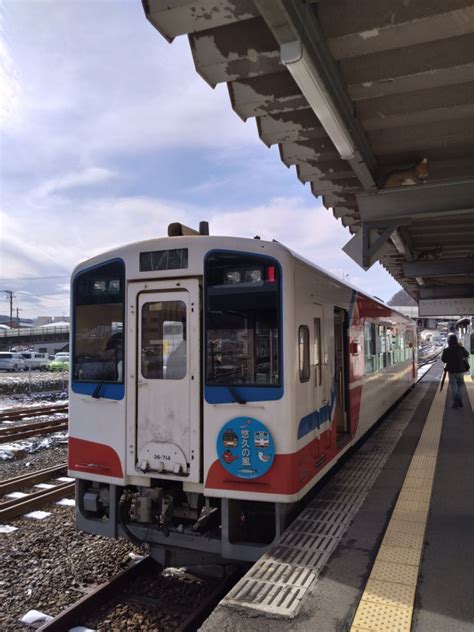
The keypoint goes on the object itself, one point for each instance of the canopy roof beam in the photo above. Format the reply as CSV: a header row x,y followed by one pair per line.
x,y
447,291
423,201
442,267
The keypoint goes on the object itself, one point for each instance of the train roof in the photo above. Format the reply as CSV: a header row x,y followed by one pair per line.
x,y
210,242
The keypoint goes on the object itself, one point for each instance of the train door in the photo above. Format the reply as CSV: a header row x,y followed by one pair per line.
x,y
167,385
341,416
319,386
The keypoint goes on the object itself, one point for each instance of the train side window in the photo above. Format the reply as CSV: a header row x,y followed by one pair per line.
x,y
317,352
303,347
370,348
382,347
389,346
400,347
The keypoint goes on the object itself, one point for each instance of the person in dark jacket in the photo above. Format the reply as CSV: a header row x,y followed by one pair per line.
x,y
455,356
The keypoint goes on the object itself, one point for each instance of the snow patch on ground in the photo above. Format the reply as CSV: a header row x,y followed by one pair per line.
x,y
38,515
67,502
6,528
35,616
16,495
9,451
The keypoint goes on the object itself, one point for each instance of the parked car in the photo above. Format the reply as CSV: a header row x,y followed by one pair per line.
x,y
60,363
11,361
34,360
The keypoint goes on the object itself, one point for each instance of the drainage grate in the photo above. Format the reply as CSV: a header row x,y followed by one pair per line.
x,y
278,582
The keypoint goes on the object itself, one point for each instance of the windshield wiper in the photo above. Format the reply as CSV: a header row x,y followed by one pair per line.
x,y
237,396
97,390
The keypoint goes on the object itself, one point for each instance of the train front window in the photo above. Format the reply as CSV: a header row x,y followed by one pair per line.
x,y
242,320
98,296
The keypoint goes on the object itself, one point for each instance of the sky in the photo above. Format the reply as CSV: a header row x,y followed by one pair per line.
x,y
108,134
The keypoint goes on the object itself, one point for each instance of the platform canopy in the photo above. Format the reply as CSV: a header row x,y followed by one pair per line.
x,y
356,94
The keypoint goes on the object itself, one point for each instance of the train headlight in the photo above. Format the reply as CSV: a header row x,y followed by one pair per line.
x,y
232,276
253,276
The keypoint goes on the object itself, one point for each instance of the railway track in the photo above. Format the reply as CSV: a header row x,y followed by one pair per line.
x,y
16,414
125,589
18,506
16,433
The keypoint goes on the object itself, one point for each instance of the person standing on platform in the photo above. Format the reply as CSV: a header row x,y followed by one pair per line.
x,y
455,357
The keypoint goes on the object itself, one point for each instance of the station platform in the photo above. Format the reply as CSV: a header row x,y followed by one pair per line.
x,y
388,544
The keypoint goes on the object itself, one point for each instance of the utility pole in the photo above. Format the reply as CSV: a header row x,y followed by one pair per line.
x,y
10,295
18,310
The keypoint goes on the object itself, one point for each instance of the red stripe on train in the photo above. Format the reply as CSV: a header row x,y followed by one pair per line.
x,y
289,472
93,458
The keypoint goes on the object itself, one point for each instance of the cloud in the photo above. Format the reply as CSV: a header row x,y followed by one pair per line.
x,y
9,84
98,224
80,97
111,135
84,178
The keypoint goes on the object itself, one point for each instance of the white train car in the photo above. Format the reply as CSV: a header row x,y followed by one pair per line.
x,y
214,381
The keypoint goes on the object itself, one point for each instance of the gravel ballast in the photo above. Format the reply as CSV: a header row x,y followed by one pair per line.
x,y
47,565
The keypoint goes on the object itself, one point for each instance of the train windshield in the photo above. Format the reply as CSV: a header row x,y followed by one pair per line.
x,y
98,296
242,320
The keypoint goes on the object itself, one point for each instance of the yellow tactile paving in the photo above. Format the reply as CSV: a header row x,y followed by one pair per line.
x,y
399,539
410,494
389,594
387,602
399,555
404,527
408,506
469,382
409,515
378,617
396,573
418,484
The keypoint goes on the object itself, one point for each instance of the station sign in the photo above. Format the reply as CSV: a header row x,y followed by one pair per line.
x,y
446,306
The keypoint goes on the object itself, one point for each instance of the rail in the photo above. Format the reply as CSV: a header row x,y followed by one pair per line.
x,y
19,506
17,433
114,590
93,600
26,480
36,411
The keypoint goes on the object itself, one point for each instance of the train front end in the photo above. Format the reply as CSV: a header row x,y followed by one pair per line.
x,y
177,404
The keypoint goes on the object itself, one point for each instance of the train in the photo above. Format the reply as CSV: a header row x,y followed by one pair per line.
x,y
214,381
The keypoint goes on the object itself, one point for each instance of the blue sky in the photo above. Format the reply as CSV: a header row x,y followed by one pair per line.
x,y
108,134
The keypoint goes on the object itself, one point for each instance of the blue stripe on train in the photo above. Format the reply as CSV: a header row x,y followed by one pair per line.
x,y
222,394
315,419
106,390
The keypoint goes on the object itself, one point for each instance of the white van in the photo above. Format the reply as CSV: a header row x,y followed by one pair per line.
x,y
11,361
34,360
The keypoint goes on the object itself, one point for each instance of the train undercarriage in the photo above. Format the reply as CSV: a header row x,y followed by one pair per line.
x,y
181,528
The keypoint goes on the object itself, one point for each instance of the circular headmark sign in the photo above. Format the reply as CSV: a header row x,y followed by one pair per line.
x,y
245,447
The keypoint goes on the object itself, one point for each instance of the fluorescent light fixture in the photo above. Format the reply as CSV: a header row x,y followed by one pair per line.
x,y
298,62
